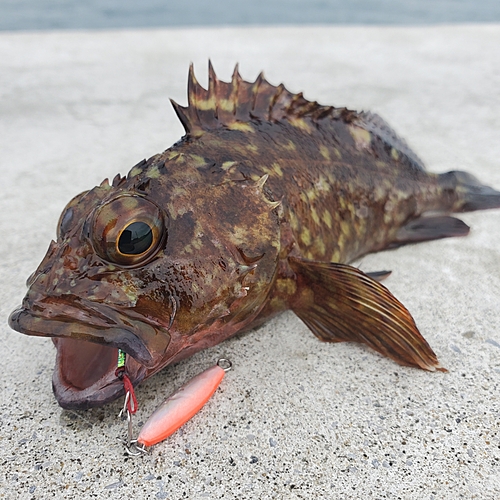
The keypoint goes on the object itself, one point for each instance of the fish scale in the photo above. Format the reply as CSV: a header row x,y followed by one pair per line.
x,y
259,208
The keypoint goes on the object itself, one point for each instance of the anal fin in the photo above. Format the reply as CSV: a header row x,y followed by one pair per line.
x,y
430,228
340,303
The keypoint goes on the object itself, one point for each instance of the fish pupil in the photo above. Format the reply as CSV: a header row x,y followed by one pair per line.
x,y
135,239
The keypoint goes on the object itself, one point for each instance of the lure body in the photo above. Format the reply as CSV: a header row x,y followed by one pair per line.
x,y
259,208
181,406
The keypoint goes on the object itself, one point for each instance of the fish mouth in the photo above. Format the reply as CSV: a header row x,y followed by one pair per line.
x,y
87,337
84,374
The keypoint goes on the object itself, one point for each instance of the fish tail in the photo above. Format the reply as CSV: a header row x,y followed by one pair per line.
x,y
469,193
460,192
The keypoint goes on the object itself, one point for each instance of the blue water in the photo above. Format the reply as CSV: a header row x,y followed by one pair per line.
x,y
106,14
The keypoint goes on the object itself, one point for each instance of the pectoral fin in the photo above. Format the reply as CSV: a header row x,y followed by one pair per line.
x,y
340,303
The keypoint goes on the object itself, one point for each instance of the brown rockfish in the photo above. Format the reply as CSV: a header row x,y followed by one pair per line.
x,y
257,209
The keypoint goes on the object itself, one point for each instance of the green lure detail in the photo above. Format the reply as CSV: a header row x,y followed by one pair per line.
x,y
122,355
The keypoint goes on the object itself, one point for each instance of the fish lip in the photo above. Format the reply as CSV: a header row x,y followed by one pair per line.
x,y
101,325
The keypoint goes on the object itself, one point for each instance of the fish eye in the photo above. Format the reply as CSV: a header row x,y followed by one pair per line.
x,y
135,239
128,230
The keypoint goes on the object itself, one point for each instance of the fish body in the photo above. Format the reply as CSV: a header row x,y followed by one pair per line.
x,y
259,208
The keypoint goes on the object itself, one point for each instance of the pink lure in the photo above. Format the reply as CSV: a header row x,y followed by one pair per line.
x,y
181,406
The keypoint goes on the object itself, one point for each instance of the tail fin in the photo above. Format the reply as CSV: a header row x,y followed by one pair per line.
x,y
470,193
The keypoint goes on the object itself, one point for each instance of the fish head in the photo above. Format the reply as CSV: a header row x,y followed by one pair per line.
x,y
154,270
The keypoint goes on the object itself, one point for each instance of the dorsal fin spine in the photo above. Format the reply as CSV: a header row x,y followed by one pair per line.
x,y
194,90
235,84
180,111
255,88
213,83
192,87
322,112
276,97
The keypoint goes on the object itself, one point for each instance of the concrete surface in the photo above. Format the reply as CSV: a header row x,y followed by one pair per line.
x,y
296,418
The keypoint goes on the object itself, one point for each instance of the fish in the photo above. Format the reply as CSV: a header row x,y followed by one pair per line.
x,y
261,207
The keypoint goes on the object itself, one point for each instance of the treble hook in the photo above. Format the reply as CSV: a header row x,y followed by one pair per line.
x,y
129,407
130,444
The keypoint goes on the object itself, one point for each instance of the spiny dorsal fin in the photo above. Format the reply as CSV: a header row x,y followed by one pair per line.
x,y
235,103
240,105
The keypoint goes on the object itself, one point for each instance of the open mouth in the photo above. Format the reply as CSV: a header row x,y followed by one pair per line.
x,y
87,337
84,375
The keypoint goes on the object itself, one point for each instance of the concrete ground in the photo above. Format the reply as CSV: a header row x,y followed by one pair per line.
x,y
296,418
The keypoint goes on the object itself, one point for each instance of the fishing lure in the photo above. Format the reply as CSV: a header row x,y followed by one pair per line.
x,y
175,411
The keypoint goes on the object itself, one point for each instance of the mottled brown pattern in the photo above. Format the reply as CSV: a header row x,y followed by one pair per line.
x,y
257,209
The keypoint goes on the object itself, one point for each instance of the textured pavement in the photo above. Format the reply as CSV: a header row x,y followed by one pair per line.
x,y
296,418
